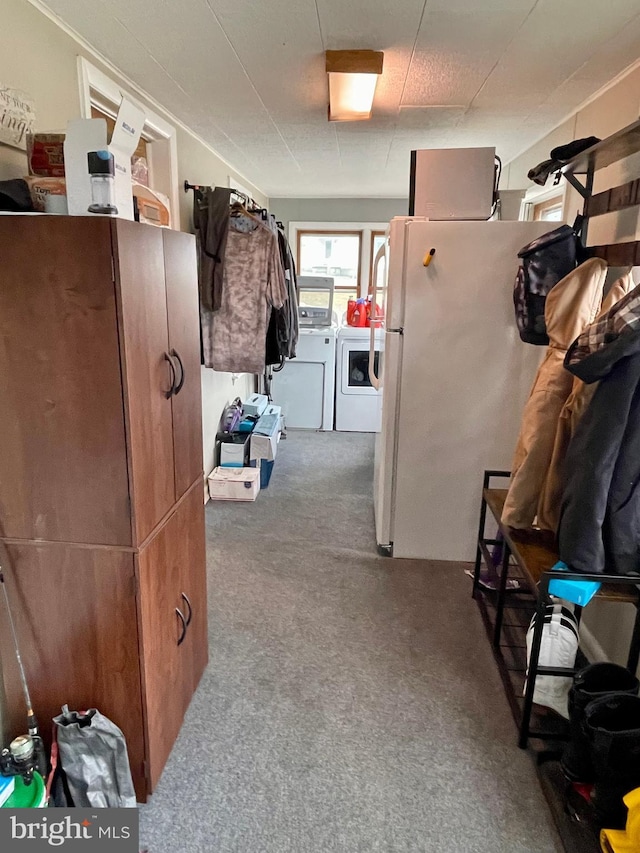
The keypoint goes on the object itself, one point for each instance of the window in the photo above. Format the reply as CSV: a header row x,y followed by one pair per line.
x,y
336,254
343,250
543,205
548,211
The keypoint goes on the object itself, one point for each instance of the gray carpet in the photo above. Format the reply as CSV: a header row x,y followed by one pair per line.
x,y
351,703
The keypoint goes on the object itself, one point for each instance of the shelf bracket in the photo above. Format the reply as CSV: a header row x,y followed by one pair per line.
x,y
575,183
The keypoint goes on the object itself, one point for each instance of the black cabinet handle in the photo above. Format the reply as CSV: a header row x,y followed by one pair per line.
x,y
184,625
176,354
185,598
171,390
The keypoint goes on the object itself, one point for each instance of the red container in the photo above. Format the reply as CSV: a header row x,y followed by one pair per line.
x,y
359,314
351,307
377,318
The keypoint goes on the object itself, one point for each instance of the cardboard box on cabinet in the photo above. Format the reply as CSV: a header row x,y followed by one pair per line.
x,y
40,188
45,153
87,135
153,207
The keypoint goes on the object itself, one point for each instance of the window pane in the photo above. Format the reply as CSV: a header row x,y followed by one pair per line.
x,y
552,214
340,300
548,211
335,255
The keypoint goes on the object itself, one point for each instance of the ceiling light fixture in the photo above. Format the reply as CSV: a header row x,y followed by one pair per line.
x,y
353,76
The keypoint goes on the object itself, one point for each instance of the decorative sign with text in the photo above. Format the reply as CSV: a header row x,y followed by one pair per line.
x,y
17,117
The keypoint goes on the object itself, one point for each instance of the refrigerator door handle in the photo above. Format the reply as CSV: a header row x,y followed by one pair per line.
x,y
374,379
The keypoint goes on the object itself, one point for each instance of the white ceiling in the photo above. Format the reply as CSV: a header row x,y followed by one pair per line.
x,y
248,76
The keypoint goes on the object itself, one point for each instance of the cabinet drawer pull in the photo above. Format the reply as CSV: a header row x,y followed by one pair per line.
x,y
172,366
185,598
184,625
176,354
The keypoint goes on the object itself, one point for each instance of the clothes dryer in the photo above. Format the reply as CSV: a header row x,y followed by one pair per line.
x,y
358,404
305,387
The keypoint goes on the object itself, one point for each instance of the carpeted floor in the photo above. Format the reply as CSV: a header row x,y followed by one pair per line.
x,y
351,704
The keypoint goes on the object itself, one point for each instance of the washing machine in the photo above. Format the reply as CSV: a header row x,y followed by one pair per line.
x,y
358,404
305,387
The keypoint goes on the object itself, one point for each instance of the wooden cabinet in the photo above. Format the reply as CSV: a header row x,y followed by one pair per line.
x,y
173,619
63,461
101,500
182,306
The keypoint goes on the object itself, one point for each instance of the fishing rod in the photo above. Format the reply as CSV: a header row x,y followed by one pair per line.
x,y
22,759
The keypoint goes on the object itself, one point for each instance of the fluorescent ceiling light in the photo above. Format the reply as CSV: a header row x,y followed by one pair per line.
x,y
353,76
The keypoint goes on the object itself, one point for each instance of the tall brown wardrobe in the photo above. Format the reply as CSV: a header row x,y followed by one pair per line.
x,y
101,486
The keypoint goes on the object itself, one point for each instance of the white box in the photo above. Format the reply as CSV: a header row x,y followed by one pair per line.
x,y
452,183
255,405
85,135
233,453
264,444
234,484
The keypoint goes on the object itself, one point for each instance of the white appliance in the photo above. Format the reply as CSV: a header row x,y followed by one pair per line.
x,y
452,183
305,387
455,376
315,300
358,403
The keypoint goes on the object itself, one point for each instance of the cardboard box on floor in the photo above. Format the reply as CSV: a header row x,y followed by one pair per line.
x,y
266,434
90,134
234,484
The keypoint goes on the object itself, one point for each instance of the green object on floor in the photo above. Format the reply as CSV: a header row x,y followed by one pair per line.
x,y
27,796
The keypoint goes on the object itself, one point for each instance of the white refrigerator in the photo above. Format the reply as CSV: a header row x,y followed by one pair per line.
x,y
455,376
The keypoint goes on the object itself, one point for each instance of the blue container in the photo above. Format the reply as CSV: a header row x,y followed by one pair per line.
x,y
577,591
266,468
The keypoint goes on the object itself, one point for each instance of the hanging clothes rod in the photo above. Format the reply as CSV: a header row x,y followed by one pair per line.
x,y
246,198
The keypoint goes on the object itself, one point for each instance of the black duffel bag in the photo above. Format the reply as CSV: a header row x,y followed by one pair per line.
x,y
543,262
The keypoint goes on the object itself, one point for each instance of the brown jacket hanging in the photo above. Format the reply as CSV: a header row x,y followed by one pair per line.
x,y
211,225
570,306
576,404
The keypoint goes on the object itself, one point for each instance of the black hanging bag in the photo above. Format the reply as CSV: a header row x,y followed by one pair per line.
x,y
543,262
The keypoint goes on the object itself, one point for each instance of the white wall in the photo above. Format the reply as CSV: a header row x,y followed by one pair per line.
x,y
614,109
338,209
364,209
39,57
619,106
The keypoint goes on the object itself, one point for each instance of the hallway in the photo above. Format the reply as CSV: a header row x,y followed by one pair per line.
x,y
351,702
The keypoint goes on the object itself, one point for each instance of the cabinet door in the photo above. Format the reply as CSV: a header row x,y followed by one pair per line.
x,y
63,460
174,653
148,379
181,276
75,615
193,590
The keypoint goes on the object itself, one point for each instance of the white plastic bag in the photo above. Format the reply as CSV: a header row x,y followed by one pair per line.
x,y
559,648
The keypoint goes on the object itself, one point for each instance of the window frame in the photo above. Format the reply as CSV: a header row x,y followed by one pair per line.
x,y
542,207
549,196
331,233
336,229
